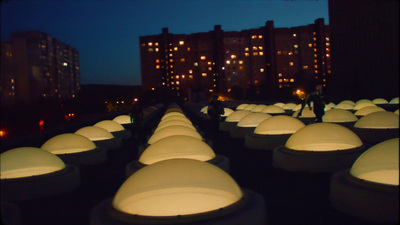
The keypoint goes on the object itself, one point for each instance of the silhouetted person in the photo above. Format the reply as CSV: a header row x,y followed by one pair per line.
x,y
214,111
137,121
319,102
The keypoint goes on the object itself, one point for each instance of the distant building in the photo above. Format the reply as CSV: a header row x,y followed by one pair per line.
x,y
38,66
267,59
365,48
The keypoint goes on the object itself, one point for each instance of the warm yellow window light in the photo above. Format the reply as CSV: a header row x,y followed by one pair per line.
x,y
361,105
178,146
109,125
123,119
28,161
394,101
273,109
380,101
253,119
379,164
172,114
323,137
281,124
176,187
174,123
339,116
236,116
94,133
379,120
369,109
173,130
68,143
241,106
175,117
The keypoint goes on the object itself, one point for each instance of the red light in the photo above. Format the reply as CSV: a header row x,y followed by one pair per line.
x,y
2,133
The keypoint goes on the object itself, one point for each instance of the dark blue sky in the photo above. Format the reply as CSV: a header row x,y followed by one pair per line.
x,y
106,32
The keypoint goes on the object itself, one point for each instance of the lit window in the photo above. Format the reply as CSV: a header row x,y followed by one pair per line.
x,y
157,66
256,81
290,53
163,83
65,64
182,59
188,48
280,86
292,80
143,44
315,66
315,61
246,49
183,76
190,71
279,52
240,67
209,68
228,62
151,49
181,42
314,38
240,61
202,57
305,67
327,44
209,63
261,53
233,56
294,35
285,80
310,45
204,74
156,49
171,60
171,66
156,44
190,76
315,49
246,54
254,47
280,80
329,71
170,55
150,44
196,64
314,33
290,63
296,46
262,70
253,36
259,36
255,53
327,38
157,60
177,76
12,80
316,71
177,83
315,55
279,74
175,48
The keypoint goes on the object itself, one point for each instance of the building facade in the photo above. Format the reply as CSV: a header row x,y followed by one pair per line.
x,y
265,59
38,66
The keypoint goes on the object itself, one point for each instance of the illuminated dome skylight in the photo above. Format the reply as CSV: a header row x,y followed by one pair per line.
x,y
241,106
176,187
273,109
175,117
347,102
369,109
28,161
323,137
174,123
394,101
379,164
279,104
250,107
280,124
361,105
227,112
379,120
94,133
380,101
109,125
363,101
68,143
307,113
289,106
253,119
339,116
172,114
258,108
236,116
173,130
344,105
123,119
204,109
177,146
397,111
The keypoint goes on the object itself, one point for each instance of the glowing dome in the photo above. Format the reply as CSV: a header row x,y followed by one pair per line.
x,y
289,106
332,105
394,101
181,118
109,125
380,101
347,102
68,143
204,109
227,112
176,187
250,107
397,112
339,116
344,105
363,101
253,119
173,130
241,106
379,164
279,104
323,137
369,109
95,133
297,107
258,108
123,119
28,161
280,124
361,105
236,116
379,120
177,146
273,109
174,123
307,113
172,114
173,110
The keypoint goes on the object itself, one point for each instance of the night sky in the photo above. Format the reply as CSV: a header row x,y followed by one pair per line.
x,y
106,32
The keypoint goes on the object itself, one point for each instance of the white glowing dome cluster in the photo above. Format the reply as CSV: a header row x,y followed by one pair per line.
x,y
176,180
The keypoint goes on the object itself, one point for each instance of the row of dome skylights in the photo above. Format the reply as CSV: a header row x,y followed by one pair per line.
x,y
177,179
